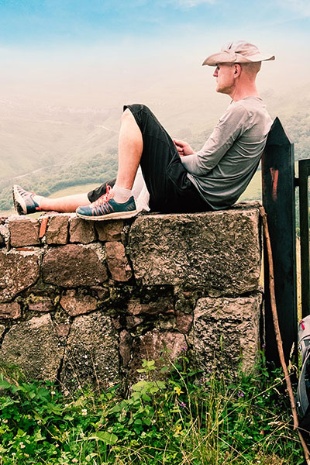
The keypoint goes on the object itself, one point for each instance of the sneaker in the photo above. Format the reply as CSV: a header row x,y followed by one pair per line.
x,y
23,201
108,210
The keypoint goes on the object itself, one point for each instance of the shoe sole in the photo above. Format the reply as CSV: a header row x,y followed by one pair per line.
x,y
110,216
19,203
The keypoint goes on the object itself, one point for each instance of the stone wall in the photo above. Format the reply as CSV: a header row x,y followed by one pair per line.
x,y
85,302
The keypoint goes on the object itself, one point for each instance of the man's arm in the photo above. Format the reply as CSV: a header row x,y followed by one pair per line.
x,y
229,128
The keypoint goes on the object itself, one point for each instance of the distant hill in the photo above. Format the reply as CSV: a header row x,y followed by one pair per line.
x,y
46,148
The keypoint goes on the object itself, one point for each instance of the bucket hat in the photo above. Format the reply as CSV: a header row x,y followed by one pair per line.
x,y
237,52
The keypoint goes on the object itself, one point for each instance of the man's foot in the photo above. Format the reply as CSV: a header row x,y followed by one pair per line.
x,y
109,210
23,201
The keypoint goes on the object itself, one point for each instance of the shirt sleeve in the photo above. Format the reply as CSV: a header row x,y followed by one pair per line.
x,y
229,128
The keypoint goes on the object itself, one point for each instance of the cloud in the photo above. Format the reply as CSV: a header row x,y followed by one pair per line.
x,y
300,6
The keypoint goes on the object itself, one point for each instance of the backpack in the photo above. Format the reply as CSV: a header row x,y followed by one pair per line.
x,y
303,388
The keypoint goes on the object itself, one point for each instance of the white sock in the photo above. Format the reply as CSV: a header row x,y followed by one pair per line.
x,y
120,194
37,198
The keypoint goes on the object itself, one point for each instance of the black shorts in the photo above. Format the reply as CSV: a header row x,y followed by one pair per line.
x,y
171,191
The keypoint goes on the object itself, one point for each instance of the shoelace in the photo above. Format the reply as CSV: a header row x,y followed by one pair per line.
x,y
103,198
24,193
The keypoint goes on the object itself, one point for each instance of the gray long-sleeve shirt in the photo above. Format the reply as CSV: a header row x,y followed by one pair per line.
x,y
224,166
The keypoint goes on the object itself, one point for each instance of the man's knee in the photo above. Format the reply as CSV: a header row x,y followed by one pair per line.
x,y
126,114
137,109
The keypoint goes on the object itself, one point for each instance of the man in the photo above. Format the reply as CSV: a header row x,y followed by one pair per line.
x,y
177,178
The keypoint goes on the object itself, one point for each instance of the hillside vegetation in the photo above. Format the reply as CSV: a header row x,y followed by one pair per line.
x,y
47,148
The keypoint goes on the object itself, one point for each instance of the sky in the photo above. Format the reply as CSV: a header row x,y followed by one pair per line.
x,y
89,52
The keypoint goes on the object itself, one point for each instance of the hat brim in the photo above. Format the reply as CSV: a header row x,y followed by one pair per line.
x,y
225,57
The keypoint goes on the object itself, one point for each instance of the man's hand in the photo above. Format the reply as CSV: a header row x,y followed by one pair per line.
x,y
183,147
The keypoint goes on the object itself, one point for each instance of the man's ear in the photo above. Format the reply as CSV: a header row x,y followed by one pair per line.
x,y
237,70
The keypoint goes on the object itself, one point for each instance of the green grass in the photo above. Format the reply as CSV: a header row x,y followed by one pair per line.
x,y
181,419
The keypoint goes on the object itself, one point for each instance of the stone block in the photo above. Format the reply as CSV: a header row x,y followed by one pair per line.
x,y
81,231
57,230
225,333
40,304
109,231
43,225
117,261
162,347
18,271
24,232
10,310
74,265
63,330
184,322
133,321
218,252
162,304
125,347
75,303
91,356
33,346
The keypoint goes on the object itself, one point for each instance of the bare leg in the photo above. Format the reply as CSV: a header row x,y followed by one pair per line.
x,y
120,204
130,148
26,202
67,204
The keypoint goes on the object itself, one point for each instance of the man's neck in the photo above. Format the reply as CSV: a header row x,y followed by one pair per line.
x,y
243,92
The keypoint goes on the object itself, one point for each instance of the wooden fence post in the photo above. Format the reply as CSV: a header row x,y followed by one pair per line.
x,y
304,174
278,179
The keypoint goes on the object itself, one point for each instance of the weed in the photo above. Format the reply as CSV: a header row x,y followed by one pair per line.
x,y
182,419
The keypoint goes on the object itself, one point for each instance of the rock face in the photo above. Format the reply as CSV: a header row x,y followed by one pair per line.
x,y
73,266
18,271
24,233
91,355
223,329
214,251
86,302
33,345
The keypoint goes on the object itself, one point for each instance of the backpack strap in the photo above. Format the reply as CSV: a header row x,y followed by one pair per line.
x,y
303,387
